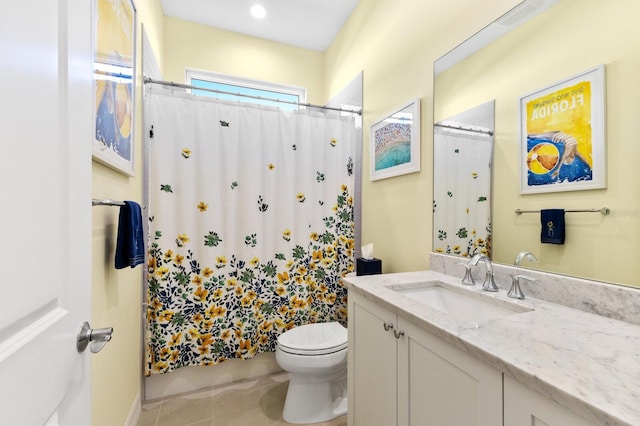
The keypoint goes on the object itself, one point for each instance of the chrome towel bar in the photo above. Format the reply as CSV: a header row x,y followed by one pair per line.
x,y
107,202
604,211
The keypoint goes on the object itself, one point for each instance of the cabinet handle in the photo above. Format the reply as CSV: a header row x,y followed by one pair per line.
x,y
387,326
398,333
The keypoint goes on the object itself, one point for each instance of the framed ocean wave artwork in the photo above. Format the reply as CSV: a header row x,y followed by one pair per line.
x,y
395,143
114,35
562,140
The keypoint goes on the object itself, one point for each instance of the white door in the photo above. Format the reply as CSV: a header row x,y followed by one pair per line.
x,y
45,212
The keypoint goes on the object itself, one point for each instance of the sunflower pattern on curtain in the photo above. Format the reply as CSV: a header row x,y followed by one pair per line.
x,y
462,189
250,223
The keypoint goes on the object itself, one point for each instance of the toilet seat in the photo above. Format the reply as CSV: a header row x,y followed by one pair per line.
x,y
314,339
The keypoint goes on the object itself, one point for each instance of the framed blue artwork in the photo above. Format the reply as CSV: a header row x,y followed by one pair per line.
x,y
395,143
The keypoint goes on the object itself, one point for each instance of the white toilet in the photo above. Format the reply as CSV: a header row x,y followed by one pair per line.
x,y
315,356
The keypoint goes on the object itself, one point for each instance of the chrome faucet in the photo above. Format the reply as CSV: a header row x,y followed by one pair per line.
x,y
515,292
488,284
530,257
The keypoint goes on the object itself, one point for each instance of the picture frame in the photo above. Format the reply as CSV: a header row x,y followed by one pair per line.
x,y
395,143
114,60
562,135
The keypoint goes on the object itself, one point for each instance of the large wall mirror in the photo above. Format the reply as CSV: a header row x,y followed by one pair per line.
x,y
462,156
546,42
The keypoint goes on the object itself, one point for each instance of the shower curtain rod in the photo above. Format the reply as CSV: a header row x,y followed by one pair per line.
x,y
466,129
187,86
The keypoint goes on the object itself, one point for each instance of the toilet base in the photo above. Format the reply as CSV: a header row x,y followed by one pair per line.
x,y
311,402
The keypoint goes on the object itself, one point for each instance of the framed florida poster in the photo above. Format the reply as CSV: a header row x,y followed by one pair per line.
x,y
114,35
562,142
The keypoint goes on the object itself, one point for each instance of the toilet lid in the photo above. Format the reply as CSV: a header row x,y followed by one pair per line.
x,y
316,338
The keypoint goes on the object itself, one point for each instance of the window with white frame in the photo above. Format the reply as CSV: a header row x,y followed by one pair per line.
x,y
232,88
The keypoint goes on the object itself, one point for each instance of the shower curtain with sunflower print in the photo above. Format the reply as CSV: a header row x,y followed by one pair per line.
x,y
462,190
250,224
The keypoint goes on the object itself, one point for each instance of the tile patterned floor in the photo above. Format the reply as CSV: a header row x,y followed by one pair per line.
x,y
256,402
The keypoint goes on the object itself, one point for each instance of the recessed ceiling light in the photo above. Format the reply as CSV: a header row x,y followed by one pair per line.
x,y
258,11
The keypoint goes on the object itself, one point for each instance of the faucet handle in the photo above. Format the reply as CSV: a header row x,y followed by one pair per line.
x,y
515,292
468,278
489,283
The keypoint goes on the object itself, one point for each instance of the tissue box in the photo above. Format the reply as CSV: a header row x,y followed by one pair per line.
x,y
368,266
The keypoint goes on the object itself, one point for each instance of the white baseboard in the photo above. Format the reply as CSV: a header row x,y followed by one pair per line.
x,y
134,412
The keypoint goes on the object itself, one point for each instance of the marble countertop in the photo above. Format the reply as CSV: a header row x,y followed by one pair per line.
x,y
586,362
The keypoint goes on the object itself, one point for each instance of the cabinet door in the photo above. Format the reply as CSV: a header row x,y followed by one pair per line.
x,y
439,384
372,364
523,406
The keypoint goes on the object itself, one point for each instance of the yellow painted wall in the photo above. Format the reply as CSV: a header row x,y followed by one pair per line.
x,y
116,294
196,46
571,37
395,44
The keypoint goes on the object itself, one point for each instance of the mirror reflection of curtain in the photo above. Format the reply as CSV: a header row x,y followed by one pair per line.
x,y
251,226
462,191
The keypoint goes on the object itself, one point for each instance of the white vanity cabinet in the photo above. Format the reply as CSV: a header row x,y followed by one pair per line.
x,y
525,407
372,364
408,364
407,376
439,384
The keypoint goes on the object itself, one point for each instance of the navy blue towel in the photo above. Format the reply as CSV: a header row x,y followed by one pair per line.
x,y
130,246
552,221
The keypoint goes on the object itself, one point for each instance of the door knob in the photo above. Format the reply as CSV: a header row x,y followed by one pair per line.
x,y
97,337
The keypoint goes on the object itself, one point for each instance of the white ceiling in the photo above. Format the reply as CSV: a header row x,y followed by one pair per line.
x,y
310,24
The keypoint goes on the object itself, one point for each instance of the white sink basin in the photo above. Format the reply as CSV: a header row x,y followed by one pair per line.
x,y
466,307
